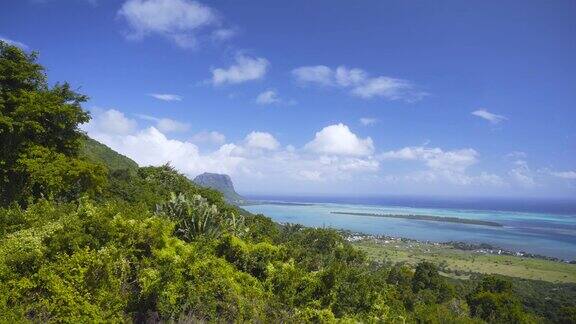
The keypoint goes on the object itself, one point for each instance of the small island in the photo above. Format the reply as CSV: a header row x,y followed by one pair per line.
x,y
426,218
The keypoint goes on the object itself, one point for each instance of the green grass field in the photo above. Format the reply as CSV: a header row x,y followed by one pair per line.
x,y
459,263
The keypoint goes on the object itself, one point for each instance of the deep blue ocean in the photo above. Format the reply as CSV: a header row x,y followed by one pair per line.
x,y
546,227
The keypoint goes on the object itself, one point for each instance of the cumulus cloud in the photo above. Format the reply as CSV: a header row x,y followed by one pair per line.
x,y
223,34
268,97
299,167
318,74
335,157
521,174
258,156
436,158
442,165
167,125
339,140
111,121
486,115
166,96
571,175
246,69
350,77
368,121
358,82
150,146
14,43
261,140
180,21
212,137
271,97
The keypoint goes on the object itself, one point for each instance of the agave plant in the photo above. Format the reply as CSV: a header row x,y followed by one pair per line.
x,y
195,216
236,224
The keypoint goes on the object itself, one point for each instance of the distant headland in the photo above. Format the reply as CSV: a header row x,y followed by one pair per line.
x,y
426,218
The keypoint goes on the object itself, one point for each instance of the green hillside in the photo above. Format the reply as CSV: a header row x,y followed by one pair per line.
x,y
100,153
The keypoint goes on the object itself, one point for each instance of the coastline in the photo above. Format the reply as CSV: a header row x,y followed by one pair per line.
x,y
481,248
441,225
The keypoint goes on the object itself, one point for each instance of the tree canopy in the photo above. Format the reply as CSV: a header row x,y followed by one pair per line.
x,y
39,134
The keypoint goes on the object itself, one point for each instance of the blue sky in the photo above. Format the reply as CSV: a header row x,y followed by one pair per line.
x,y
324,97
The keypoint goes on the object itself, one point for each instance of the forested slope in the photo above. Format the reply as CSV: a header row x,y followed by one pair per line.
x,y
97,152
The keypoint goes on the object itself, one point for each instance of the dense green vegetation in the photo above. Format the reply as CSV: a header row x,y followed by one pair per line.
x,y
97,152
85,237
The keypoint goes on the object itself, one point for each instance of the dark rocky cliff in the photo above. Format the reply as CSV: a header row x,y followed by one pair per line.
x,y
222,183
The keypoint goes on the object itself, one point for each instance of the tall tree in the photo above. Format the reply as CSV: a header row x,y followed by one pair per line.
x,y
494,301
39,134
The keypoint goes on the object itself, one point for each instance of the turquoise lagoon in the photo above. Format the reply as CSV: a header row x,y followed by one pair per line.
x,y
539,233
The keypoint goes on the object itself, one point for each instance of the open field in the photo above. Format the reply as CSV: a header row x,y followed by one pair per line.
x,y
459,264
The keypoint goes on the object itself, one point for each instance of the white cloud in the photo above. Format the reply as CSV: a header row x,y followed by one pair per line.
x,y
14,43
246,69
448,166
319,74
178,20
167,125
223,34
151,147
271,97
212,137
366,121
349,77
166,96
358,82
339,140
297,167
485,114
521,174
516,155
268,97
571,175
436,158
111,121
259,156
389,88
261,140
333,161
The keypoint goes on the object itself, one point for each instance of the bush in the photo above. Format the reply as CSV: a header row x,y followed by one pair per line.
x,y
251,258
494,302
195,216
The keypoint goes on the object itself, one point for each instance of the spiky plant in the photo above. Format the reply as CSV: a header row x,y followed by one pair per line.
x,y
195,216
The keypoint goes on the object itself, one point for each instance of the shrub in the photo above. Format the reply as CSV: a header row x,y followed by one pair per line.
x,y
195,217
251,258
